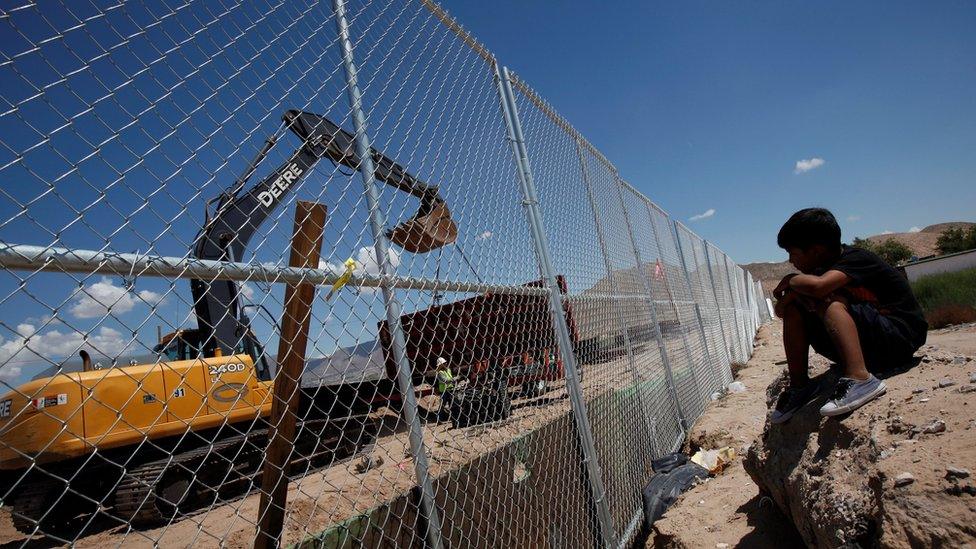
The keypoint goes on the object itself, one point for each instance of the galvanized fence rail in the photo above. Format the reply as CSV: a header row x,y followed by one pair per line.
x,y
504,332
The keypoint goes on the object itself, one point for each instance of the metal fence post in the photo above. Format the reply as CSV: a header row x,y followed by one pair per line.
x,y
751,299
684,338
684,266
718,305
377,224
567,353
755,299
740,282
651,430
665,359
737,299
698,266
739,328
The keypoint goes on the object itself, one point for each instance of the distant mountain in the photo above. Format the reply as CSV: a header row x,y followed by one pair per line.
x,y
769,273
921,243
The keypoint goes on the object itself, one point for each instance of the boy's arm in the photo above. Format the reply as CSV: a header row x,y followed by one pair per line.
x,y
786,298
819,286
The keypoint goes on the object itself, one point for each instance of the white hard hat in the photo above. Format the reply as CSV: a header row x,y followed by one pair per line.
x,y
441,361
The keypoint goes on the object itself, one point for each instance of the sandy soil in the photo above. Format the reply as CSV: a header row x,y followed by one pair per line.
x,y
728,508
725,510
328,496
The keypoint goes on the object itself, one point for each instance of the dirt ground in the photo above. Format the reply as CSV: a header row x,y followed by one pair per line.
x,y
728,509
328,496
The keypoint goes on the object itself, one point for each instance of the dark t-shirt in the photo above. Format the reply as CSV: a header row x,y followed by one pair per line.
x,y
874,281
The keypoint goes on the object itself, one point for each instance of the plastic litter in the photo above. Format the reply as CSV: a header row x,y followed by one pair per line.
x,y
667,463
665,488
714,460
737,387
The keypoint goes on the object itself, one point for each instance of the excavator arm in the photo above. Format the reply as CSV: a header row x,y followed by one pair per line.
x,y
237,216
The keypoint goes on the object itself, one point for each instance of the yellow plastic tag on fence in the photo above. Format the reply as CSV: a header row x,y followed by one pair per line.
x,y
351,266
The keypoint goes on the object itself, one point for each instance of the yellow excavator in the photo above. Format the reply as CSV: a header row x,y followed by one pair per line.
x,y
148,442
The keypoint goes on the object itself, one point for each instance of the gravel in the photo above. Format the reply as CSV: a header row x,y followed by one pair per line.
x,y
956,472
904,479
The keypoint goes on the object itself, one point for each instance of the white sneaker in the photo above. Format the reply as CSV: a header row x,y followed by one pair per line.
x,y
849,395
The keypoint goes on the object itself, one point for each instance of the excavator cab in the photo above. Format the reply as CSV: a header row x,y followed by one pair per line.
x,y
187,345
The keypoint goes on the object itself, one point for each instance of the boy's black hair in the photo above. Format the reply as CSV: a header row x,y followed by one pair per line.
x,y
808,227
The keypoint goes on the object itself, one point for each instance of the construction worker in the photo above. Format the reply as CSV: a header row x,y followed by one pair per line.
x,y
444,387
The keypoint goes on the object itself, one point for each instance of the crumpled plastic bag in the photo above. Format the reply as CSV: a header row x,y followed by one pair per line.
x,y
737,387
714,460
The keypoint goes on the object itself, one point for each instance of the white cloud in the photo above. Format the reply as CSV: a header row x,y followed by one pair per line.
x,y
9,372
366,260
43,319
915,230
247,291
853,218
329,266
807,164
366,264
104,296
704,215
484,236
30,345
887,232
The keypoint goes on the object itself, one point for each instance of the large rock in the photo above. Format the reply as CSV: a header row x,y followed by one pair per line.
x,y
836,478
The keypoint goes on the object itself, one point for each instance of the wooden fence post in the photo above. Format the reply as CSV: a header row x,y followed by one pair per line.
x,y
306,245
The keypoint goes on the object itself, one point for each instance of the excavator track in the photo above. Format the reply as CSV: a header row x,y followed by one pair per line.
x,y
30,504
44,505
135,498
213,478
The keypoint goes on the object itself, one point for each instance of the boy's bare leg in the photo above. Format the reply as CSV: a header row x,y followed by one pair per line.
x,y
796,344
843,332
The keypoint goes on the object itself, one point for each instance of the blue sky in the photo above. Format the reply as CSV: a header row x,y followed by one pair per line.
x,y
709,105
114,132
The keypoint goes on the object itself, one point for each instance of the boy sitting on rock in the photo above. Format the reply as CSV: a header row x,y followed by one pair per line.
x,y
850,306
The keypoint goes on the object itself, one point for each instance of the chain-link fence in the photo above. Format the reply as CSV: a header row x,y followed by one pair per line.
x,y
292,272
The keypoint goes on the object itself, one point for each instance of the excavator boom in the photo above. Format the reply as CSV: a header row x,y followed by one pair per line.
x,y
227,234
120,435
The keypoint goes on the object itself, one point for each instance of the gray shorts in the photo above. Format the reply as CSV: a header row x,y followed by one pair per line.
x,y
885,342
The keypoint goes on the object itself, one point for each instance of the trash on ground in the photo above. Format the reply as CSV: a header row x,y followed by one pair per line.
x,y
665,488
737,387
714,460
669,462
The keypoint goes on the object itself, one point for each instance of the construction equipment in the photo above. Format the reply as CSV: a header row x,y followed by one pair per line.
x,y
148,442
497,341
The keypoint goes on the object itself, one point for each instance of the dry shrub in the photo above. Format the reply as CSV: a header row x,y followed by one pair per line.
x,y
947,315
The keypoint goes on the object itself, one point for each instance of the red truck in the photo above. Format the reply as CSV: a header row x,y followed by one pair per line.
x,y
491,342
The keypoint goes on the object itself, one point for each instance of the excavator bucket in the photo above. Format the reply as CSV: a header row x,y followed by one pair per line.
x,y
430,229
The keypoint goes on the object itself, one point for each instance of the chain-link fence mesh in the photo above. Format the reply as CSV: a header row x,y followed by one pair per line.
x,y
497,336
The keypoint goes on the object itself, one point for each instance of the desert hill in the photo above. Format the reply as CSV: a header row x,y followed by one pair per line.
x,y
921,243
